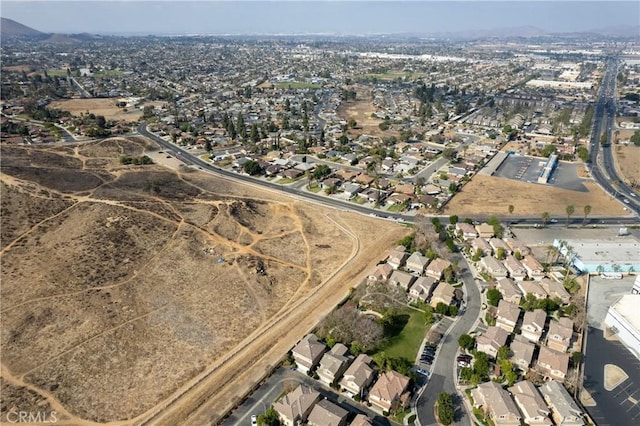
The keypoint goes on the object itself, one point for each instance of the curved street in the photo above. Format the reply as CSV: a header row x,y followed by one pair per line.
x,y
442,378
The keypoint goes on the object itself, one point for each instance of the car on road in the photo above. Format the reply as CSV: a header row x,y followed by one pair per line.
x,y
254,420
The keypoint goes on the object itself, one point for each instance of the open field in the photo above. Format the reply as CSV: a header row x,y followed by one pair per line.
x,y
98,106
490,195
627,158
360,110
407,343
139,293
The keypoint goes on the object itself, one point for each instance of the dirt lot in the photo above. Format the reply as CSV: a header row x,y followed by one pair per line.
x,y
627,159
492,195
135,294
99,106
360,110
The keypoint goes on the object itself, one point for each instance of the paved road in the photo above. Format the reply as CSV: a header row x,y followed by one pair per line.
x,y
604,171
284,379
444,369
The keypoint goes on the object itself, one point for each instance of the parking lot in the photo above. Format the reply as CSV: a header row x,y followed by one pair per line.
x,y
619,406
527,169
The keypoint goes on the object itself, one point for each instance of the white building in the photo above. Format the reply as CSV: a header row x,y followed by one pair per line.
x,y
623,319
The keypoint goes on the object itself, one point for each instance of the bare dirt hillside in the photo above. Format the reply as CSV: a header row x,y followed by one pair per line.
x,y
135,294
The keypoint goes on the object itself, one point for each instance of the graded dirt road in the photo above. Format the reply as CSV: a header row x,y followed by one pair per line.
x,y
136,294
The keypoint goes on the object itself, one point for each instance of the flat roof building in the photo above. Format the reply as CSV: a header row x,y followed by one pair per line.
x,y
611,255
623,319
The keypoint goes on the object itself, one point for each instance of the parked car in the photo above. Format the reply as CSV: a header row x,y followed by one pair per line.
x,y
254,420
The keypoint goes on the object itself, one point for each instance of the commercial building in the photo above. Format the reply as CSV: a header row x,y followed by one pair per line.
x,y
623,320
620,254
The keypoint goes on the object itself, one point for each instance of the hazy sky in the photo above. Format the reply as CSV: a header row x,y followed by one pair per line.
x,y
343,17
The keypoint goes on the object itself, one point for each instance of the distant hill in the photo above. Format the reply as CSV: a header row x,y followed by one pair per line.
x,y
9,27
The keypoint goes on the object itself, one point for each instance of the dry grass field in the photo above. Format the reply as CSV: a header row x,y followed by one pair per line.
x,y
492,195
627,159
360,110
133,294
99,106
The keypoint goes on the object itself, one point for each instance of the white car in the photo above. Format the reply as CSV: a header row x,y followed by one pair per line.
x,y
254,420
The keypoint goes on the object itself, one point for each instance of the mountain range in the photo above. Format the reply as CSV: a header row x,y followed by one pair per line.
x,y
12,29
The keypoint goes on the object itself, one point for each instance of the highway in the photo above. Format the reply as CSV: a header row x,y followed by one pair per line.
x,y
603,170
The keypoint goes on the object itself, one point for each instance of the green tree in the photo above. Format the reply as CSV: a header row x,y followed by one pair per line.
x,y
493,296
445,408
570,210
252,168
545,216
481,365
503,353
500,253
321,171
428,316
635,138
587,211
453,219
442,308
511,208
269,418
207,145
466,342
583,153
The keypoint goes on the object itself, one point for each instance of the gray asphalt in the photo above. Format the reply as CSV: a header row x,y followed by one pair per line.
x,y
442,377
284,379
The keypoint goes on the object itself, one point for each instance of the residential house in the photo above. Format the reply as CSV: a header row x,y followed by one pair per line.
x,y
401,279
397,257
382,272
333,363
374,195
422,288
467,230
496,403
331,182
361,420
485,230
436,268
308,352
358,376
346,175
491,340
517,246
515,268
532,287
497,243
386,393
493,267
552,364
417,263
560,334
351,189
443,293
522,350
531,404
291,173
507,315
555,290
397,198
482,244
425,200
364,179
533,267
510,292
405,189
431,189
326,413
294,408
533,325
564,410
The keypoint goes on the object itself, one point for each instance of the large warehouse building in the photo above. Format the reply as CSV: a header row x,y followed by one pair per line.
x,y
621,254
623,320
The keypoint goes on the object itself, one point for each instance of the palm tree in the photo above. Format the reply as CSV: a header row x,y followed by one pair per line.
x,y
511,208
587,210
545,218
570,210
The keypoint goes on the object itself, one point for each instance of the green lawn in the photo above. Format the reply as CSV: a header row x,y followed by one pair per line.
x,y
407,343
396,208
